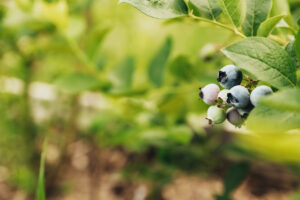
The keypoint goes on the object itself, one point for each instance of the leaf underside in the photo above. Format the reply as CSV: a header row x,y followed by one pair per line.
x,y
266,119
160,9
267,26
288,100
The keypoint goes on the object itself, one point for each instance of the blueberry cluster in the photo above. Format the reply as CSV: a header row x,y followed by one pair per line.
x,y
235,101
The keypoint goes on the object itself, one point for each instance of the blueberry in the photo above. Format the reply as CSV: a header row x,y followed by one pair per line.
x,y
230,76
234,117
209,93
223,95
244,112
258,93
216,115
238,96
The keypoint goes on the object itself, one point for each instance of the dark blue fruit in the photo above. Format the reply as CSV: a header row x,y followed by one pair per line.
x,y
238,97
230,76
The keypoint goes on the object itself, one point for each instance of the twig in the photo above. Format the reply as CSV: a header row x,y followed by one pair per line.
x,y
230,28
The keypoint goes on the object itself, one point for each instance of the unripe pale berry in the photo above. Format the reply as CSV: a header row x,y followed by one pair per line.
x,y
258,93
216,115
230,76
238,96
209,93
234,117
223,95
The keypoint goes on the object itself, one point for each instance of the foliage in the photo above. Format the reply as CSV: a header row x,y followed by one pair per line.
x,y
160,9
158,63
100,72
253,55
262,58
233,178
272,62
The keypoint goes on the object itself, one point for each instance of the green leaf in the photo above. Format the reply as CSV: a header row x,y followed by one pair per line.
x,y
265,119
234,177
265,59
232,9
95,39
282,29
182,69
180,134
290,48
267,26
207,8
158,63
297,45
75,83
288,100
160,9
76,27
279,147
101,62
123,73
257,12
280,7
41,194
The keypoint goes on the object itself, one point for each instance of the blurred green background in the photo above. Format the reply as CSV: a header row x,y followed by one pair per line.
x,y
115,95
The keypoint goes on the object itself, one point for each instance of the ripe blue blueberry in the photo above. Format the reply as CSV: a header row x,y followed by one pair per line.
x,y
238,97
223,95
209,93
258,93
234,117
244,112
216,115
230,76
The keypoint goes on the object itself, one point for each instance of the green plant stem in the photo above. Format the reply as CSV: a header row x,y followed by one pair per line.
x,y
230,28
41,194
233,29
90,67
80,54
278,39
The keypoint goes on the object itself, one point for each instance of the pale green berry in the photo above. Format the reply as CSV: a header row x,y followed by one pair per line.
x,y
223,95
216,115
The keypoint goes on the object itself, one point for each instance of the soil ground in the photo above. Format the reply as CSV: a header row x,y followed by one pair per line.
x,y
91,174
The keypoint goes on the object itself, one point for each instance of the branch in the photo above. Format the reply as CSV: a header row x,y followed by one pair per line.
x,y
230,28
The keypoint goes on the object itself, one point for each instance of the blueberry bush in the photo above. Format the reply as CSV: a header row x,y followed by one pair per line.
x,y
263,55
264,75
266,52
100,101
